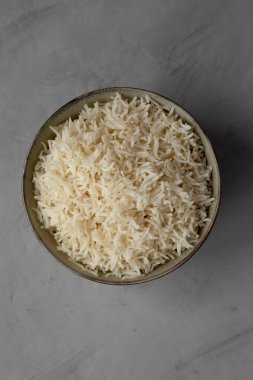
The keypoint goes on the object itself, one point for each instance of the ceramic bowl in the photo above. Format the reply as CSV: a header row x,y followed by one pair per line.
x,y
72,109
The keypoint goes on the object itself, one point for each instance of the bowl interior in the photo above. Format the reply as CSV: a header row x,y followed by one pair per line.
x,y
72,109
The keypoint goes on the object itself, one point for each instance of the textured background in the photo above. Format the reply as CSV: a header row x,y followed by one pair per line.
x,y
196,323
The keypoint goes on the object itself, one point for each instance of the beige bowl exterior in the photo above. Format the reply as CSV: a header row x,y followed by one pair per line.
x,y
72,109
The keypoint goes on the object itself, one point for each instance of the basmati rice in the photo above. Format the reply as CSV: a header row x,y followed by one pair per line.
x,y
124,187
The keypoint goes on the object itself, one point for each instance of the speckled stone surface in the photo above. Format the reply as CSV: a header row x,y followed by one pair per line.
x,y
196,323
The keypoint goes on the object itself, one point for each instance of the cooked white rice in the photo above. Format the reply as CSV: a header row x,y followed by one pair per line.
x,y
124,187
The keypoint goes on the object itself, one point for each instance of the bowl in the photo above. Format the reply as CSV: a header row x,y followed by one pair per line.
x,y
72,109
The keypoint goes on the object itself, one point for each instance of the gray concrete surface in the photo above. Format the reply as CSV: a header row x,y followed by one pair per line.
x,y
196,323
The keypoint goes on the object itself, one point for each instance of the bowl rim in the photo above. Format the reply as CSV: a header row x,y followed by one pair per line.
x,y
140,279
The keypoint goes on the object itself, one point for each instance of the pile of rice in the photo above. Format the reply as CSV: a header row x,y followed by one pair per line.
x,y
124,187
